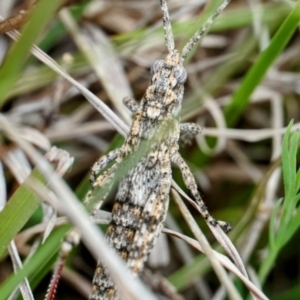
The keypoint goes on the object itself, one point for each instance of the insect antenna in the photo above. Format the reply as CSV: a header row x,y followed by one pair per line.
x,y
169,39
197,36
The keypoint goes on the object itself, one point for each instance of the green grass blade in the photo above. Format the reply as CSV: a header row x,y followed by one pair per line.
x,y
257,72
289,163
19,52
285,161
272,227
16,213
35,264
298,180
289,221
293,226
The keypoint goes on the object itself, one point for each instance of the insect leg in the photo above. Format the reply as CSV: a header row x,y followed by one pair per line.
x,y
189,130
102,163
190,183
131,104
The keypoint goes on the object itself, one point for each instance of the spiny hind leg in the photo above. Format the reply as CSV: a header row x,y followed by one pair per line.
x,y
188,132
131,104
190,183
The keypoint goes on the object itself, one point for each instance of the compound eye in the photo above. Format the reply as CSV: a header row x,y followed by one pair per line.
x,y
180,74
156,66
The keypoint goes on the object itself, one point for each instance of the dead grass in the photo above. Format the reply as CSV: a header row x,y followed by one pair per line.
x,y
108,47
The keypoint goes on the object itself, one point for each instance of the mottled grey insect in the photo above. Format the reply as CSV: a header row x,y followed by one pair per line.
x,y
143,194
142,197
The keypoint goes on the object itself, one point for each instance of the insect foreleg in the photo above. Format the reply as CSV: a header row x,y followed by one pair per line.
x,y
131,104
102,163
188,132
190,128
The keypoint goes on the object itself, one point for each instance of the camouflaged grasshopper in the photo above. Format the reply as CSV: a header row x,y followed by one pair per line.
x,y
142,197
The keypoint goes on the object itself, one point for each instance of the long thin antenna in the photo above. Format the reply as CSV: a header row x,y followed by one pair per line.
x,y
169,39
196,37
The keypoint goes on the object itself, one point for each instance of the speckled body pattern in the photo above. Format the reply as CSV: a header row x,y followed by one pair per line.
x,y
142,198
143,195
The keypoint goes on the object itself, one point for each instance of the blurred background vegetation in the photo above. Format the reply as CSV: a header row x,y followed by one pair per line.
x,y
242,87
